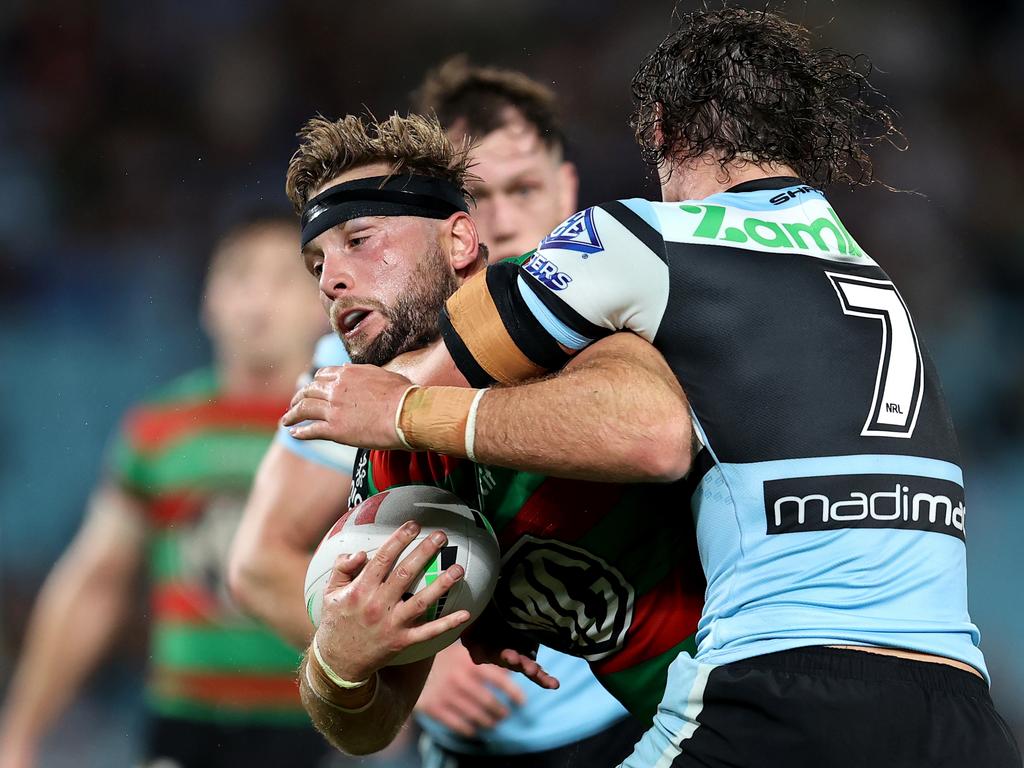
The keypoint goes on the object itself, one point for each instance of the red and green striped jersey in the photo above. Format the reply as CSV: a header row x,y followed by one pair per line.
x,y
190,455
606,572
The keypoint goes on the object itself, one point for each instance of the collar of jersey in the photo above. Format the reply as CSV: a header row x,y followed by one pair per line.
x,y
772,182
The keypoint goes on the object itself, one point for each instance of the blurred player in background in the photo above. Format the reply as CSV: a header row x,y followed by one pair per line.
x,y
524,186
221,689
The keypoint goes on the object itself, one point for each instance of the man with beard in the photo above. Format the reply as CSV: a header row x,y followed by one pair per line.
x,y
221,688
523,186
376,212
825,477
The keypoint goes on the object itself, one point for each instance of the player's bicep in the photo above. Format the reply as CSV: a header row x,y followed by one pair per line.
x,y
602,271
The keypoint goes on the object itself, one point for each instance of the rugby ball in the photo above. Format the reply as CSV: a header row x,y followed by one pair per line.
x,y
471,544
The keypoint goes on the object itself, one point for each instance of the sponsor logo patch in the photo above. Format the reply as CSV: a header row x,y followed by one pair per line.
x,y
819,232
577,233
834,502
547,273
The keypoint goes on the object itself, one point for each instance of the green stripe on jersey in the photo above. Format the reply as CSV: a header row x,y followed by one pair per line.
x,y
511,489
210,458
640,688
232,649
188,709
644,566
164,556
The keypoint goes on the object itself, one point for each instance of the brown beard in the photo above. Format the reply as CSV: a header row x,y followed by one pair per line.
x,y
414,318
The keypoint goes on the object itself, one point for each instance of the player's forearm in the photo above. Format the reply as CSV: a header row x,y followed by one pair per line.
x,y
362,721
72,626
292,502
267,583
614,414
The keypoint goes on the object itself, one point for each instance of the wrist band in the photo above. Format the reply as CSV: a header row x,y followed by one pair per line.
x,y
435,418
398,418
332,675
333,704
471,425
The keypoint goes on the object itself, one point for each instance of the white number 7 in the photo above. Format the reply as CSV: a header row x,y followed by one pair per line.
x,y
900,380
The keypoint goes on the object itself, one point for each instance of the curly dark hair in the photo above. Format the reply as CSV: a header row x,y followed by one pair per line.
x,y
746,84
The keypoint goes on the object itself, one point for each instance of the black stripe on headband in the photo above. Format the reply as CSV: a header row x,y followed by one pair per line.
x,y
406,195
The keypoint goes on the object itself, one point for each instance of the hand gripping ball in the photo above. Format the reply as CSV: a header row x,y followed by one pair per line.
x,y
471,544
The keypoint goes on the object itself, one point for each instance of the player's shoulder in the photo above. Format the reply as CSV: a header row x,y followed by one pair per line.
x,y
148,422
617,225
190,389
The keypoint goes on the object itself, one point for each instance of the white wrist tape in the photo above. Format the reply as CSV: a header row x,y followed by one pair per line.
x,y
398,418
471,425
332,675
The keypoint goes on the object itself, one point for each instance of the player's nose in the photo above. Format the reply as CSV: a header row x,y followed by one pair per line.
x,y
504,221
336,277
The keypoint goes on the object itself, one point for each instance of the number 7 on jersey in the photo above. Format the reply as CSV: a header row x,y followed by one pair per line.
x,y
899,383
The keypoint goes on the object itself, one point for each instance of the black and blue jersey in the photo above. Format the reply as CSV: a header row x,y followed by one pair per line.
x,y
828,499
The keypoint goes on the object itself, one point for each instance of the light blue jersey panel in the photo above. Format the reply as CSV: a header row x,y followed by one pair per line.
x,y
847,586
579,708
329,351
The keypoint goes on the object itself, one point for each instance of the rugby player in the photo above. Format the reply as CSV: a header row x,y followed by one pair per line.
x,y
523,186
823,466
221,689
362,239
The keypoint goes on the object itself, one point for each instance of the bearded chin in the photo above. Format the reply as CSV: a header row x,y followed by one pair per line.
x,y
395,341
415,319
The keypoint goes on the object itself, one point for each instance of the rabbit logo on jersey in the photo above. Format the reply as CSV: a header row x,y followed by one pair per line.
x,y
571,598
547,273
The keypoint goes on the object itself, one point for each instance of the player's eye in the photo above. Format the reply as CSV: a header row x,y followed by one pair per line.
x,y
317,269
355,242
523,191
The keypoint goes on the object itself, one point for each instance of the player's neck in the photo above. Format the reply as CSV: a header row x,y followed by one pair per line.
x,y
260,380
704,176
430,365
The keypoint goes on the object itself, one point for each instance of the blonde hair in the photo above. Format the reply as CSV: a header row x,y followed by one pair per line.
x,y
412,144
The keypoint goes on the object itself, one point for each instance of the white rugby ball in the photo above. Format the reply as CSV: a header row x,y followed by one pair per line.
x,y
471,544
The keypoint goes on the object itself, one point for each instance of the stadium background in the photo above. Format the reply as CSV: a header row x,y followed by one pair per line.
x,y
129,132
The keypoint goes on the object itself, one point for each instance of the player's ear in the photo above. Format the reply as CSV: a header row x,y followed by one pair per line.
x,y
568,189
464,243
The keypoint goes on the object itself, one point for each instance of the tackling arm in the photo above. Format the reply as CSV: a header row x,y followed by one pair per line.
x,y
84,598
615,413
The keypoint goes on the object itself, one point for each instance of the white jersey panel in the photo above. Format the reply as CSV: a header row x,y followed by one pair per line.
x,y
607,275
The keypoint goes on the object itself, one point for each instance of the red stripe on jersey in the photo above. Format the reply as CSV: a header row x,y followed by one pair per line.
x,y
184,603
231,691
561,509
151,427
662,618
391,468
174,507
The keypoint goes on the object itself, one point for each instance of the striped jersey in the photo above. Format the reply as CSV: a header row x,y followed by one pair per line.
x,y
827,491
190,455
578,709
605,572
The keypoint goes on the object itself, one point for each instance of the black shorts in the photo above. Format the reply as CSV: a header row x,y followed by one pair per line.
x,y
604,749
818,707
196,744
